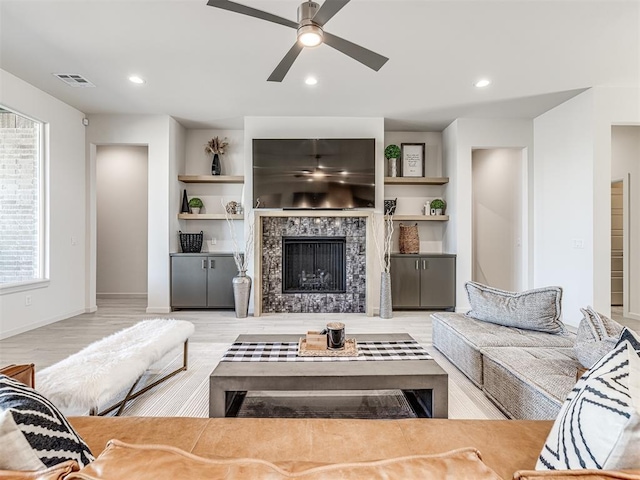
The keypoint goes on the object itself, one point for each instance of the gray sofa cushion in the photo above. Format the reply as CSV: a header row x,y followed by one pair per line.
x,y
538,309
529,383
597,336
461,339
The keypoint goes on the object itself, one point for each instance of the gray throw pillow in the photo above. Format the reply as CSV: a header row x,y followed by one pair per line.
x,y
538,309
597,335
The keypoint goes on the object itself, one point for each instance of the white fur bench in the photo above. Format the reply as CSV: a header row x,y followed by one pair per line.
x,y
94,376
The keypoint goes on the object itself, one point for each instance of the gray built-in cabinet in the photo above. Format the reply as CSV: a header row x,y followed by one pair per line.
x,y
425,281
202,280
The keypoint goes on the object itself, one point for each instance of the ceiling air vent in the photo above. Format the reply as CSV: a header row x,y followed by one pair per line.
x,y
74,80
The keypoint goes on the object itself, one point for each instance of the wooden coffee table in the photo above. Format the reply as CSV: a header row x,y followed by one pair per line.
x,y
423,382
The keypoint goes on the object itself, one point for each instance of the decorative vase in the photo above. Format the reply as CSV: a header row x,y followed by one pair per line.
x,y
215,165
195,210
185,203
241,293
386,310
393,167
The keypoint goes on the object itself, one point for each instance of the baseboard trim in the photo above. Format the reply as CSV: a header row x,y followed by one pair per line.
x,y
158,309
41,323
121,296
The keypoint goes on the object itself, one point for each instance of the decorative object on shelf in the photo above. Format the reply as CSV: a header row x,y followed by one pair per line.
x,y
242,281
185,202
392,153
191,242
384,257
390,206
439,206
409,239
195,204
412,159
216,147
426,208
231,207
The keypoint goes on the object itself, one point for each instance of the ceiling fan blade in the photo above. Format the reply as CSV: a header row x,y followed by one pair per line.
x,y
252,12
285,64
328,9
365,56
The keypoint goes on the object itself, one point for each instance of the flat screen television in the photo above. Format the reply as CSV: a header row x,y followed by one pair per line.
x,y
331,173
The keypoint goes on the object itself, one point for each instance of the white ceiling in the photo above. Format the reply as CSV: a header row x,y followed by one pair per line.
x,y
208,67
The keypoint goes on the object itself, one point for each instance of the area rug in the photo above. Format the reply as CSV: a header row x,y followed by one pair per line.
x,y
187,395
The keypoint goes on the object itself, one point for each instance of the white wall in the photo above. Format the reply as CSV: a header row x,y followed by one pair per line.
x,y
64,296
155,132
497,218
573,176
121,189
319,127
625,164
459,140
177,145
411,198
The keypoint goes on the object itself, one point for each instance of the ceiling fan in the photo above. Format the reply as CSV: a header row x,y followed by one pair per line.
x,y
310,26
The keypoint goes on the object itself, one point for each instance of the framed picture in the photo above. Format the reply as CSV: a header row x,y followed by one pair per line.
x,y
412,160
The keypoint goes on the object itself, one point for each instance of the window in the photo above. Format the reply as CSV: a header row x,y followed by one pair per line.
x,y
21,200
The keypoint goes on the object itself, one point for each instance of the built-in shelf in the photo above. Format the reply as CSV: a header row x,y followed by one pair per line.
x,y
211,178
416,180
420,218
208,216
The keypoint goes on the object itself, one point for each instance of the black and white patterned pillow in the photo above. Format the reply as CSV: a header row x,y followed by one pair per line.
x,y
33,433
598,426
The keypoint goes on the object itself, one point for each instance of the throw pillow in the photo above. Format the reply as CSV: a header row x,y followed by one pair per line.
x,y
538,309
33,433
599,424
597,335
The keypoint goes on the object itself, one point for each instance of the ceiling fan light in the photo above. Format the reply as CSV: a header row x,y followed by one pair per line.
x,y
310,35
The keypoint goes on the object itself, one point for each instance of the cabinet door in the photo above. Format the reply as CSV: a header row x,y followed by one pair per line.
x,y
405,282
438,282
188,282
221,271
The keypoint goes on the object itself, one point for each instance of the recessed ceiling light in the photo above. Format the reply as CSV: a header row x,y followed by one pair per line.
x,y
136,79
311,81
482,83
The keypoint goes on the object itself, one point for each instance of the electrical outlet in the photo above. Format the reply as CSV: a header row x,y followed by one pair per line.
x,y
578,243
27,300
74,242
214,241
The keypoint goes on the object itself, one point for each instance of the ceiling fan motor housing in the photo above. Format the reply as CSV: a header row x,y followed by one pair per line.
x,y
306,12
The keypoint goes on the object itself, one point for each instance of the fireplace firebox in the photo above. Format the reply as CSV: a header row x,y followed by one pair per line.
x,y
314,265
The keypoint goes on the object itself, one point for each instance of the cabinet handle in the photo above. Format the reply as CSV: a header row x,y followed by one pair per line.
x,y
212,263
417,264
203,263
425,264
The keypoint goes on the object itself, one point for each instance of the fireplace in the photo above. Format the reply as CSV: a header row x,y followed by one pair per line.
x,y
314,265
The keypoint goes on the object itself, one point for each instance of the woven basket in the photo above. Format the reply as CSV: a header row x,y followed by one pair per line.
x,y
409,239
191,242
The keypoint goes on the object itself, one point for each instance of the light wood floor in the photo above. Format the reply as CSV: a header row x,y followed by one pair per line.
x,y
52,343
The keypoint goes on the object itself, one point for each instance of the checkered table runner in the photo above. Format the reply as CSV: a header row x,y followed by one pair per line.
x,y
288,352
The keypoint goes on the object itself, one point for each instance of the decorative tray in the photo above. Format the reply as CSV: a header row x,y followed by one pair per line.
x,y
350,349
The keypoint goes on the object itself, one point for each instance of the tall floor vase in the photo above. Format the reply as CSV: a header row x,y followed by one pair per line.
x,y
386,310
241,293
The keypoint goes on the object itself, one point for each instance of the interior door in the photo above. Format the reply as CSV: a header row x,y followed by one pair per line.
x,y
617,250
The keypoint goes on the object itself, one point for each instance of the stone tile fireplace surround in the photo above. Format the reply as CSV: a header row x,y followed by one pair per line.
x,y
272,226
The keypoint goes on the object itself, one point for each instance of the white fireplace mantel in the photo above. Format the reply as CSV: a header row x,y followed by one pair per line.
x,y
371,253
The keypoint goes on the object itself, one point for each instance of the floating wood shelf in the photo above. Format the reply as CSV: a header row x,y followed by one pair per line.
x,y
208,216
416,180
211,178
420,218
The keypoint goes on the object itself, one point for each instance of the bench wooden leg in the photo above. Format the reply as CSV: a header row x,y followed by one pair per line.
x,y
130,395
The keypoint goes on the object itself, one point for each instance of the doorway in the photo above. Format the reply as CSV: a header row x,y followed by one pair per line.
x,y
499,218
617,244
121,221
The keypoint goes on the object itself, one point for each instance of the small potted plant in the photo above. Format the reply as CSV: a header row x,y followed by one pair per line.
x,y
392,153
195,204
437,206
216,147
